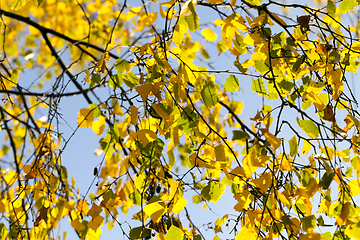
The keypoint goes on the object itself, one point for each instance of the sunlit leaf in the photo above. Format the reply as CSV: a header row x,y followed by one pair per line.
x,y
208,34
174,233
209,94
85,118
232,84
309,127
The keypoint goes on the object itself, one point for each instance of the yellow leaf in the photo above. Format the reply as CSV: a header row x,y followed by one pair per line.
x,y
355,46
354,186
244,199
93,235
208,34
263,182
98,126
345,210
338,176
310,236
88,77
85,118
314,98
216,1
282,198
145,136
144,90
306,147
10,177
196,161
285,164
155,210
77,225
133,12
169,12
160,111
185,8
82,206
312,188
295,224
117,109
179,205
247,234
278,19
353,230
349,123
248,166
220,153
2,206
175,136
324,206
134,114
94,211
95,222
274,141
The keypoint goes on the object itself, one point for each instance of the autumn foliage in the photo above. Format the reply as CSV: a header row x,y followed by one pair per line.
x,y
162,88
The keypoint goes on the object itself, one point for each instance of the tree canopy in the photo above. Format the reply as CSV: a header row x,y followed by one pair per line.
x,y
162,86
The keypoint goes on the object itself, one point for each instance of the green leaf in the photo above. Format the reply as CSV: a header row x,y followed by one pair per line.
x,y
286,85
174,233
139,232
240,67
326,236
63,174
331,8
261,66
222,46
39,2
293,146
326,180
237,134
95,79
192,19
349,172
286,220
347,5
15,77
306,177
259,87
334,57
320,221
116,81
198,237
131,80
298,63
309,127
204,53
279,40
232,84
188,121
96,110
209,95
120,65
3,231
213,191
239,44
308,223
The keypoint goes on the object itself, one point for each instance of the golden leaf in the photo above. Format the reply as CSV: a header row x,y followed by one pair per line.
x,y
85,118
